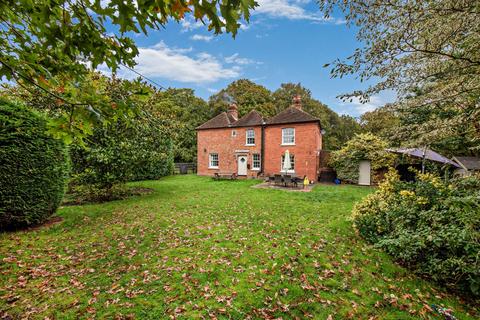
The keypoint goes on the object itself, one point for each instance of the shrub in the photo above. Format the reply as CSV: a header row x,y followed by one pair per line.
x,y
33,169
366,146
139,149
430,226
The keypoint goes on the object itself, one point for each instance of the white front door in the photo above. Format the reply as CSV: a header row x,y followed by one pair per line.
x,y
242,165
364,173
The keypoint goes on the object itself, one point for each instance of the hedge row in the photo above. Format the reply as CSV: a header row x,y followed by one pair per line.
x,y
34,168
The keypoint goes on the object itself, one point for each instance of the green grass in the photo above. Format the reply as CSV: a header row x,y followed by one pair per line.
x,y
202,248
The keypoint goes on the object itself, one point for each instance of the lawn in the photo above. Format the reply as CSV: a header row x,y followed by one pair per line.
x,y
214,249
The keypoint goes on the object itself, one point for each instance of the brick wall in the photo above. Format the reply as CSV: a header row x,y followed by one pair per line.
x,y
308,143
222,142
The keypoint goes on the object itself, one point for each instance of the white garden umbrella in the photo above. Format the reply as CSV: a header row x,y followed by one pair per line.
x,y
287,164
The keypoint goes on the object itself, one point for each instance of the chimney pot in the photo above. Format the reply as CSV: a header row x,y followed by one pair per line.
x,y
233,111
297,101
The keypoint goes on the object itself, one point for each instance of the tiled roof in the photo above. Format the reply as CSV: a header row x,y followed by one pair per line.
x,y
291,115
253,118
220,121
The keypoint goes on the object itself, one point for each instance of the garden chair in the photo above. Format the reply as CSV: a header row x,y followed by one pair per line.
x,y
278,179
287,180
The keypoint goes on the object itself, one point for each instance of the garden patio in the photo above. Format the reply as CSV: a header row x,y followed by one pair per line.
x,y
196,247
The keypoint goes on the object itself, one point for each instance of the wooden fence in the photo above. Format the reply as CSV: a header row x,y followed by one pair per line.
x,y
185,168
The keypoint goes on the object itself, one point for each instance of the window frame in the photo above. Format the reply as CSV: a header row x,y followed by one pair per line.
x,y
259,162
211,160
282,160
247,137
284,136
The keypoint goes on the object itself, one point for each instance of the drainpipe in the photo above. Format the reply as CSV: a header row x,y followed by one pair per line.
x,y
262,149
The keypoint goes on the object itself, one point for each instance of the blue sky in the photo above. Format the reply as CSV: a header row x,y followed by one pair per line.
x,y
285,41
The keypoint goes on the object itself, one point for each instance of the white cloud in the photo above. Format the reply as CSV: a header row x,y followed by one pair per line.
x,y
289,9
245,26
189,24
199,37
161,61
355,107
212,90
236,59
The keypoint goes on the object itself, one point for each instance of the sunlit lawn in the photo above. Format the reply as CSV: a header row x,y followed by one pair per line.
x,y
202,248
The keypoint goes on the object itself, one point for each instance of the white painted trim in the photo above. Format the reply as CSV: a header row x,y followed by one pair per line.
x,y
289,143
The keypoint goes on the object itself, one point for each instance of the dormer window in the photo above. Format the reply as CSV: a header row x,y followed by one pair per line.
x,y
250,134
288,136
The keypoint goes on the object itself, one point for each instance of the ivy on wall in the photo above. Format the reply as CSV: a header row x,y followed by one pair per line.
x,y
365,146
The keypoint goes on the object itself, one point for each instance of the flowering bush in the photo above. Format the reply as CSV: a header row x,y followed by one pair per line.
x,y
430,226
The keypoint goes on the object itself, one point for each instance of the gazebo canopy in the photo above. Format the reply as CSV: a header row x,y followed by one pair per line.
x,y
425,154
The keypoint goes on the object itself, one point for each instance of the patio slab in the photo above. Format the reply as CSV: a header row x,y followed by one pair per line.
x,y
266,185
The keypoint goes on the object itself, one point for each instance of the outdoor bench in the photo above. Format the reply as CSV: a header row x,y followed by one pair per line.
x,y
224,175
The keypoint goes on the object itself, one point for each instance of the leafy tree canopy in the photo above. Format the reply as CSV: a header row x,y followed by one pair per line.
x,y
247,95
428,52
105,99
381,121
184,112
53,44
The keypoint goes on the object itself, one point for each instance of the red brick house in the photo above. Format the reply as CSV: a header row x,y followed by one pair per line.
x,y
253,146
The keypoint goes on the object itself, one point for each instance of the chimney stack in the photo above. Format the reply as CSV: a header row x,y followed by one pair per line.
x,y
233,111
297,101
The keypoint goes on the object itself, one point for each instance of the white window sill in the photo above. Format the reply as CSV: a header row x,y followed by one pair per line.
x,y
212,167
289,171
255,169
287,144
250,145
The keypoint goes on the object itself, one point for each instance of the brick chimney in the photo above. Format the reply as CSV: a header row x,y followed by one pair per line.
x,y
297,102
233,111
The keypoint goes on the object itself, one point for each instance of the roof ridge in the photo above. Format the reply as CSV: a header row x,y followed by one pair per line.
x,y
292,114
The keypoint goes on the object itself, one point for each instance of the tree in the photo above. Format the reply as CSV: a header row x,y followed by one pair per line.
x,y
74,122
185,112
248,95
132,146
381,121
51,43
427,51
425,126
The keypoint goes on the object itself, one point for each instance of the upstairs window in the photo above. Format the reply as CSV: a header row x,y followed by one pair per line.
x,y
255,161
250,137
288,136
213,160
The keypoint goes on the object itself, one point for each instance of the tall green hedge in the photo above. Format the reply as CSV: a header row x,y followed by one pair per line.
x,y
34,168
